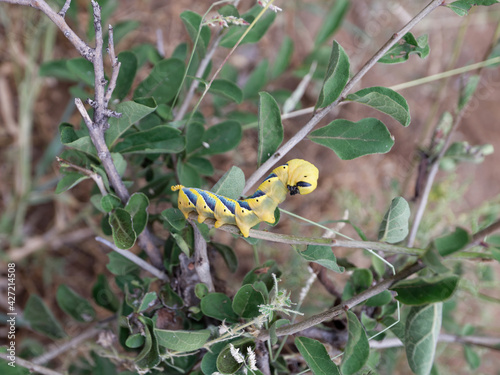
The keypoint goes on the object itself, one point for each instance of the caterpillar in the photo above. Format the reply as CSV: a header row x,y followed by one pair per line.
x,y
297,176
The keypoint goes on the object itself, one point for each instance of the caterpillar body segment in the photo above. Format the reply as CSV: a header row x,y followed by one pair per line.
x,y
296,176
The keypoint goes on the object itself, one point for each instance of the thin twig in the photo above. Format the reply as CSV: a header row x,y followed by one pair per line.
x,y
115,65
59,21
486,342
65,8
71,344
30,365
430,178
100,119
478,237
201,262
349,304
159,42
134,258
300,240
93,175
302,133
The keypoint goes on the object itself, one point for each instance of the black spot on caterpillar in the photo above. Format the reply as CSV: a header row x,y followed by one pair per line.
x,y
297,176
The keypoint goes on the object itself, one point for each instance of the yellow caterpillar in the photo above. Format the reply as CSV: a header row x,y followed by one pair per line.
x,y
296,176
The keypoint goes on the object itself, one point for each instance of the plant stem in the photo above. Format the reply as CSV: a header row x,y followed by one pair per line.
x,y
134,258
302,133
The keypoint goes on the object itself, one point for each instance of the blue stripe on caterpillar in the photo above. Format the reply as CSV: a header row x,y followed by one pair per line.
x,y
297,176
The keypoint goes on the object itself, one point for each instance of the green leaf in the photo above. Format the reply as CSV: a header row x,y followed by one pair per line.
x,y
126,75
234,33
316,356
283,57
137,208
357,348
119,265
192,23
420,291
163,82
69,180
322,255
226,364
218,306
256,80
332,21
149,356
174,218
109,202
468,91
423,324
336,76
231,184
188,176
462,7
383,298
200,290
473,359
432,259
181,242
41,319
228,10
408,45
83,69
221,138
270,127
384,100
394,226
203,166
131,112
58,69
247,300
263,273
194,136
161,139
147,301
184,341
124,235
226,89
170,298
350,140
452,242
104,296
135,341
74,305
228,255
71,139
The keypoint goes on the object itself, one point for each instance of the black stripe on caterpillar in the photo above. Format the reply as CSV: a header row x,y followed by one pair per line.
x,y
297,176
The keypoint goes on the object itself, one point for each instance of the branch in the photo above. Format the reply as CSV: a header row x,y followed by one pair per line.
x,y
331,313
299,240
201,262
486,342
65,8
30,365
59,21
479,236
115,64
302,133
134,258
69,345
93,175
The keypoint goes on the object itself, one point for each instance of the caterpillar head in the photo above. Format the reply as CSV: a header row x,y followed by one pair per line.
x,y
302,177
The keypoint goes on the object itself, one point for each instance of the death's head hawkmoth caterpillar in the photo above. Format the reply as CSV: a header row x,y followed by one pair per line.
x,y
297,176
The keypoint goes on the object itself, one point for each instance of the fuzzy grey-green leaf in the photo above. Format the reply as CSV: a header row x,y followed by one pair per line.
x,y
350,140
316,356
384,100
394,226
357,348
423,324
270,127
336,76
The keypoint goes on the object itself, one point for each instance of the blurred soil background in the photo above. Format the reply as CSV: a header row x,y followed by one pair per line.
x,y
51,237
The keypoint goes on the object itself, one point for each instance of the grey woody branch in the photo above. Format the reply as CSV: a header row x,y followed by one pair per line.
x,y
99,123
302,133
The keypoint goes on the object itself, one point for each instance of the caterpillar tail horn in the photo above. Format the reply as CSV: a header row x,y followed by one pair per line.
x,y
177,187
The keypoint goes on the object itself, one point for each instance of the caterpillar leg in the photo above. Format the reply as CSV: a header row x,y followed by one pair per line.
x,y
245,218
